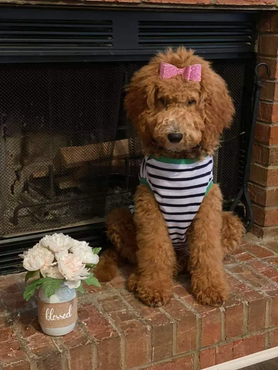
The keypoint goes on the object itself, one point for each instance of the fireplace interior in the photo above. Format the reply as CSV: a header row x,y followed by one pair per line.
x,y
68,154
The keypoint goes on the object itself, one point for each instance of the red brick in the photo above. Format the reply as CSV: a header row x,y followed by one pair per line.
x,y
187,2
210,322
258,251
207,358
182,290
273,338
95,290
37,342
244,257
80,349
265,155
269,90
249,296
136,352
265,232
15,301
112,303
271,217
266,133
265,269
258,265
273,245
247,346
136,338
161,329
260,154
256,315
263,196
265,216
6,333
211,328
236,269
183,363
274,311
50,362
11,351
259,175
233,318
81,357
22,365
237,286
245,2
259,215
272,260
269,22
268,111
224,353
268,45
108,340
186,325
255,279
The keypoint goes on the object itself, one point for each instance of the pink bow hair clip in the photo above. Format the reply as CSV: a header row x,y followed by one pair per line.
x,y
191,73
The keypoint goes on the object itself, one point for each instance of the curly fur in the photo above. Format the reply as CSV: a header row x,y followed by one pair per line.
x,y
200,111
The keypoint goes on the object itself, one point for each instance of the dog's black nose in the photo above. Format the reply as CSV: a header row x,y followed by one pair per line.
x,y
175,137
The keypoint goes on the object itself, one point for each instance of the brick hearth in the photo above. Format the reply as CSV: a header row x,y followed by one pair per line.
x,y
115,331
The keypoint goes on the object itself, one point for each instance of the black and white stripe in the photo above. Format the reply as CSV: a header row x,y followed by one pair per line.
x,y
179,189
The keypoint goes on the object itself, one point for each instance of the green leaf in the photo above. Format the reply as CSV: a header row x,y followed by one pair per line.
x,y
90,265
96,250
30,274
92,280
31,288
80,289
50,286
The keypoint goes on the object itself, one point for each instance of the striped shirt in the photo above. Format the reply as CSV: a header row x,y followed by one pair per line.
x,y
179,187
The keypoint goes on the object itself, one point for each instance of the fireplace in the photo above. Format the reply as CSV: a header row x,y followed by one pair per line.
x,y
68,153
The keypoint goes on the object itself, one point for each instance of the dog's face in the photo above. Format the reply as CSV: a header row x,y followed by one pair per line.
x,y
175,117
176,121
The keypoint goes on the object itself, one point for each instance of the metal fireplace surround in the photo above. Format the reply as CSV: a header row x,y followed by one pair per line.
x,y
63,73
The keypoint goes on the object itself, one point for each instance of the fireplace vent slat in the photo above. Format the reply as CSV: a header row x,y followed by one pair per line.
x,y
195,35
56,35
33,34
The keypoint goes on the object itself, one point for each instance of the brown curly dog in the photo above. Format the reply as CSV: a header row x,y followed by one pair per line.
x,y
179,120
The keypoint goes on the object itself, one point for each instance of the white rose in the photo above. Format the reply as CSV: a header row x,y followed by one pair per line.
x,y
51,272
72,268
61,253
56,242
85,252
36,258
73,284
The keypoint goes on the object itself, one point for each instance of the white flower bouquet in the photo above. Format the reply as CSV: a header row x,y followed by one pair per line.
x,y
59,259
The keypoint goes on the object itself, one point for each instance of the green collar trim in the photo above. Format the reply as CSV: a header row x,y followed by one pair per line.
x,y
175,160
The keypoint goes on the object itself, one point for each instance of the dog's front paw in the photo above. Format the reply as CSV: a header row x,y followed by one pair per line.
x,y
152,293
210,294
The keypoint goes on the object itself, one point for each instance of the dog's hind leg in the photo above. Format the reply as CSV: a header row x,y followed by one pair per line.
x,y
121,232
231,233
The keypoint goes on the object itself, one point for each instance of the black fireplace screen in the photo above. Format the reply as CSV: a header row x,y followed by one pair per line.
x,y
68,154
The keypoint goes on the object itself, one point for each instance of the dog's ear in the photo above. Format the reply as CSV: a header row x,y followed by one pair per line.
x,y
141,93
218,109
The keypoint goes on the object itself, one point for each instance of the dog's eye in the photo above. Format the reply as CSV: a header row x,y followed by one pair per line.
x,y
191,102
164,102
